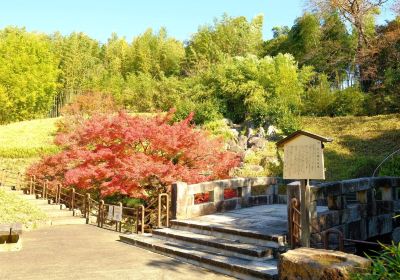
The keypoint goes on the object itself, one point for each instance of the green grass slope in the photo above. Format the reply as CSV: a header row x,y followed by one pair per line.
x,y
24,142
14,209
360,143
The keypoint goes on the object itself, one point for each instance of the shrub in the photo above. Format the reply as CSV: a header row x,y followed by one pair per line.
x,y
385,265
135,156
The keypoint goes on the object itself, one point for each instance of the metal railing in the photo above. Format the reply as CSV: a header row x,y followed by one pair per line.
x,y
294,223
341,240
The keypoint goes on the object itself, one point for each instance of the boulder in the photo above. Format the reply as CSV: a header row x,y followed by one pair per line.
x,y
257,143
316,264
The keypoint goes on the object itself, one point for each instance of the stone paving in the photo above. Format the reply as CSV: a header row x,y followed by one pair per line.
x,y
264,219
87,252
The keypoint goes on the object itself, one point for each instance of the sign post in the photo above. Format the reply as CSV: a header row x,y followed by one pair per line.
x,y
303,160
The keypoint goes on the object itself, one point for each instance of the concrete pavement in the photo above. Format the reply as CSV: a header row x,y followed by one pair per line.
x,y
87,252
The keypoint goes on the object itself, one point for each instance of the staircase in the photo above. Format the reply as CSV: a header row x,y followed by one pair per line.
x,y
244,254
57,214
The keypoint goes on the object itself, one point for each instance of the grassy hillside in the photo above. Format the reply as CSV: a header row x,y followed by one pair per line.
x,y
360,143
24,142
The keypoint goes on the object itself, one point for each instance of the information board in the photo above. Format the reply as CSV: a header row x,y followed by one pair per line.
x,y
303,159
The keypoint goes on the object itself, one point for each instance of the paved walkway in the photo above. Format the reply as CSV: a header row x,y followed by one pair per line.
x,y
264,219
87,252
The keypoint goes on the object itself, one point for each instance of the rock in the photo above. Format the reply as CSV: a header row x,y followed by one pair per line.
x,y
271,132
242,142
228,122
261,132
315,264
234,133
256,143
254,168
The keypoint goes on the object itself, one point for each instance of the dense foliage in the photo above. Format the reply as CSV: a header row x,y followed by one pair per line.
x,y
134,155
321,66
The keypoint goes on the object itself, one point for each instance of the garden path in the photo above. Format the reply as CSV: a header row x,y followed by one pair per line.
x,y
87,252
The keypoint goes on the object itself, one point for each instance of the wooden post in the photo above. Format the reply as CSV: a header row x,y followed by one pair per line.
x,y
87,207
100,213
72,203
305,213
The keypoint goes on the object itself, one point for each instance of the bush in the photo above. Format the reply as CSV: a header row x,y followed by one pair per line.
x,y
349,101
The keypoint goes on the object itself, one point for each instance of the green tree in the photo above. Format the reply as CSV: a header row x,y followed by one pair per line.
x,y
28,75
156,54
228,37
80,65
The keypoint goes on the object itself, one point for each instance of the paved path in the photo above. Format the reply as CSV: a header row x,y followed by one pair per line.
x,y
264,219
87,252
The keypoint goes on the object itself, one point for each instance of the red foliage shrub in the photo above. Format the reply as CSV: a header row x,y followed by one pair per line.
x,y
134,155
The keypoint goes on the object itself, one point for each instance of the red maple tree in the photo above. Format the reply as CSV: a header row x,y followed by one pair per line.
x,y
135,155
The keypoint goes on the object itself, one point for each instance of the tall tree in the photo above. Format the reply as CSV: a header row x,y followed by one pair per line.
x,y
79,64
228,37
156,54
28,75
360,14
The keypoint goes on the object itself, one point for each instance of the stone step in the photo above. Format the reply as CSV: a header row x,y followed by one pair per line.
x,y
242,235
45,207
213,244
38,201
232,266
57,213
57,221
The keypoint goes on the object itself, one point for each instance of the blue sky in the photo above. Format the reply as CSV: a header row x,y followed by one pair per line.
x,y
99,18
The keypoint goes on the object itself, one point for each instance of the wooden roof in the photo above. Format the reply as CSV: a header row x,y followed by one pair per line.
x,y
302,132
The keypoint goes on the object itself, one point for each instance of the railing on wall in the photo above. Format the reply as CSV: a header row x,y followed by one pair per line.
x,y
142,218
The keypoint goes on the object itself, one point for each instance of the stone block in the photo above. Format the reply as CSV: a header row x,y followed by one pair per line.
x,y
316,264
380,182
354,213
357,230
379,225
326,220
384,207
336,202
355,185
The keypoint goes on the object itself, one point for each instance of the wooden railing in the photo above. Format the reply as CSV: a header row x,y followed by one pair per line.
x,y
142,218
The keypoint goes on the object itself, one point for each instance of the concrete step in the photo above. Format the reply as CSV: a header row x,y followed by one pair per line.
x,y
38,201
232,266
57,213
213,244
57,221
243,235
45,207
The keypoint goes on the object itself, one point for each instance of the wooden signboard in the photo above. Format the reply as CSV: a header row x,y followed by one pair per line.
x,y
303,159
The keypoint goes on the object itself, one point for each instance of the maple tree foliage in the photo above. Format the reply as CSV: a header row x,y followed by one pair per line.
x,y
135,155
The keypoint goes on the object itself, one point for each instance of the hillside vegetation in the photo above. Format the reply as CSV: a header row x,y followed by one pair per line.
x,y
360,143
22,143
